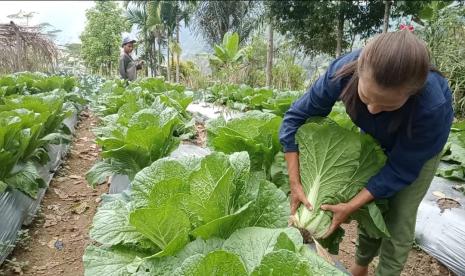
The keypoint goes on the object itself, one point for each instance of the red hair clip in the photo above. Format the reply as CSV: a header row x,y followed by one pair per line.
x,y
406,27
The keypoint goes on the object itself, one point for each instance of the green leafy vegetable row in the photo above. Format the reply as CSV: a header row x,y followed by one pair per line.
x,y
141,123
336,163
27,83
243,97
255,132
199,216
454,155
217,215
192,216
29,121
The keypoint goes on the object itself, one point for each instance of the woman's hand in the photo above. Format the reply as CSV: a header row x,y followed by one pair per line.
x,y
297,197
342,211
297,192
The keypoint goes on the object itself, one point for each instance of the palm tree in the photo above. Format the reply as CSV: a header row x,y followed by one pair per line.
x,y
213,19
184,11
169,13
159,21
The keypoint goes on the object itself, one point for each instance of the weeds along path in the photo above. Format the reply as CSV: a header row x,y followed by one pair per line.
x,y
55,242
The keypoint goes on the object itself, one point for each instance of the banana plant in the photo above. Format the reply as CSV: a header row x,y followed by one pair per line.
x,y
228,53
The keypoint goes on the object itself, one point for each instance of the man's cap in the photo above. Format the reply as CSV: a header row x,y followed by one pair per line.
x,y
127,40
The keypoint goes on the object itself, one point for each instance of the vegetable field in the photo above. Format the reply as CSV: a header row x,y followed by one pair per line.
x,y
147,138
225,212
190,215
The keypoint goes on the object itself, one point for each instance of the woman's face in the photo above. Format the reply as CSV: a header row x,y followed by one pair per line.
x,y
379,99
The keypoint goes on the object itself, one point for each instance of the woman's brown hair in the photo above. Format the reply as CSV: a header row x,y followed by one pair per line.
x,y
393,60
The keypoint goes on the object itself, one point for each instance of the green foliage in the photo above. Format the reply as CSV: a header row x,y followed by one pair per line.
x,y
227,58
244,97
26,83
134,145
216,18
255,132
453,166
101,38
234,65
280,102
255,61
339,115
191,76
286,73
443,30
313,24
335,164
30,120
141,123
198,217
228,52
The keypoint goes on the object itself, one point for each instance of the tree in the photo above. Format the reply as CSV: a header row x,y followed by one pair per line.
x,y
443,29
159,22
101,38
156,26
320,26
213,19
172,14
399,9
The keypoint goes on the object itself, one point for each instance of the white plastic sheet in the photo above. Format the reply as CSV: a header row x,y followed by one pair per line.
x,y
206,111
441,232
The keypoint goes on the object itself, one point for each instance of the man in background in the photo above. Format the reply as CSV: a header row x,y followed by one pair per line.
x,y
127,65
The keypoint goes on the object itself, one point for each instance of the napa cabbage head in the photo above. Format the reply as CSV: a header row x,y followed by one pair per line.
x,y
335,164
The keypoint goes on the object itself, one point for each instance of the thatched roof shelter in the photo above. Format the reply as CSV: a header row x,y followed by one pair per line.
x,y
26,49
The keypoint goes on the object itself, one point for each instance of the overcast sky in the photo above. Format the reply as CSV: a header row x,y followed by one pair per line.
x,y
70,17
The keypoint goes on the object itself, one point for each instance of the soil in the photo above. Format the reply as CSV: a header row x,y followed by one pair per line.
x,y
418,263
200,138
447,203
55,241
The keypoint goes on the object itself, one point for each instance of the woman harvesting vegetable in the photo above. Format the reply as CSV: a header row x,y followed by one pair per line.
x,y
392,93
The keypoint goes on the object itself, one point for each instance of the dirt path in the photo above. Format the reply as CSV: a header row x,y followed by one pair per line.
x,y
418,263
56,240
